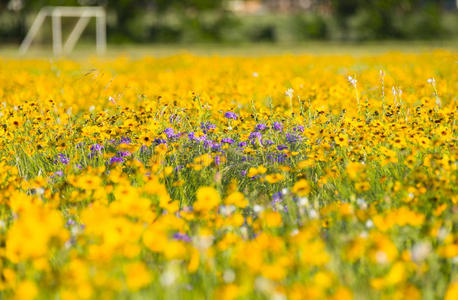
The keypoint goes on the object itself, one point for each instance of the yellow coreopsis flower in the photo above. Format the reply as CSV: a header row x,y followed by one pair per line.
x,y
207,199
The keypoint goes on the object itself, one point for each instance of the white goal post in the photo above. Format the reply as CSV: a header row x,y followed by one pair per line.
x,y
56,13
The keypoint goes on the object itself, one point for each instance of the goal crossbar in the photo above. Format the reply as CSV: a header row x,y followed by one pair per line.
x,y
56,13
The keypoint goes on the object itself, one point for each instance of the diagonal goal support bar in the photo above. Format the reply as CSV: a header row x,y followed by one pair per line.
x,y
56,13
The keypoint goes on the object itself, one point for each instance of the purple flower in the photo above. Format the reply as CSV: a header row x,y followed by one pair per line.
x,y
174,118
217,160
242,144
244,172
57,173
202,138
125,153
291,138
277,126
227,141
125,140
255,135
299,128
70,222
207,126
116,160
62,158
160,141
267,143
276,198
281,147
96,148
260,127
230,115
169,132
182,237
216,146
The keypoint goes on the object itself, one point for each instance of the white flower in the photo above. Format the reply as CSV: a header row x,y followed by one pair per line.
x,y
255,74
313,214
369,224
303,201
263,284
228,276
420,251
289,93
258,208
352,80
381,257
294,232
361,202
278,296
227,210
168,278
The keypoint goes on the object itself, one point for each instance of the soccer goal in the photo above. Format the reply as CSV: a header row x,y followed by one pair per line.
x,y
56,13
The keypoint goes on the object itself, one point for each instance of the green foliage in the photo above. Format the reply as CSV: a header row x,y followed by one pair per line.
x,y
208,21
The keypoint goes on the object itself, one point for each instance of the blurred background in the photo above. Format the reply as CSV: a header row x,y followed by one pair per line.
x,y
235,22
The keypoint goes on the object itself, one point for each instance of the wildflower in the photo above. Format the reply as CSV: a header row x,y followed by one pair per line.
x,y
137,276
260,127
289,92
277,126
230,115
301,188
207,199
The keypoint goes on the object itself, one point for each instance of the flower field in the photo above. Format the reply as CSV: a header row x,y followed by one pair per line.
x,y
192,177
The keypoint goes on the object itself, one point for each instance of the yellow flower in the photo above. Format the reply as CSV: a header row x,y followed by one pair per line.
x,y
207,199
137,276
452,291
301,188
272,219
274,178
26,290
